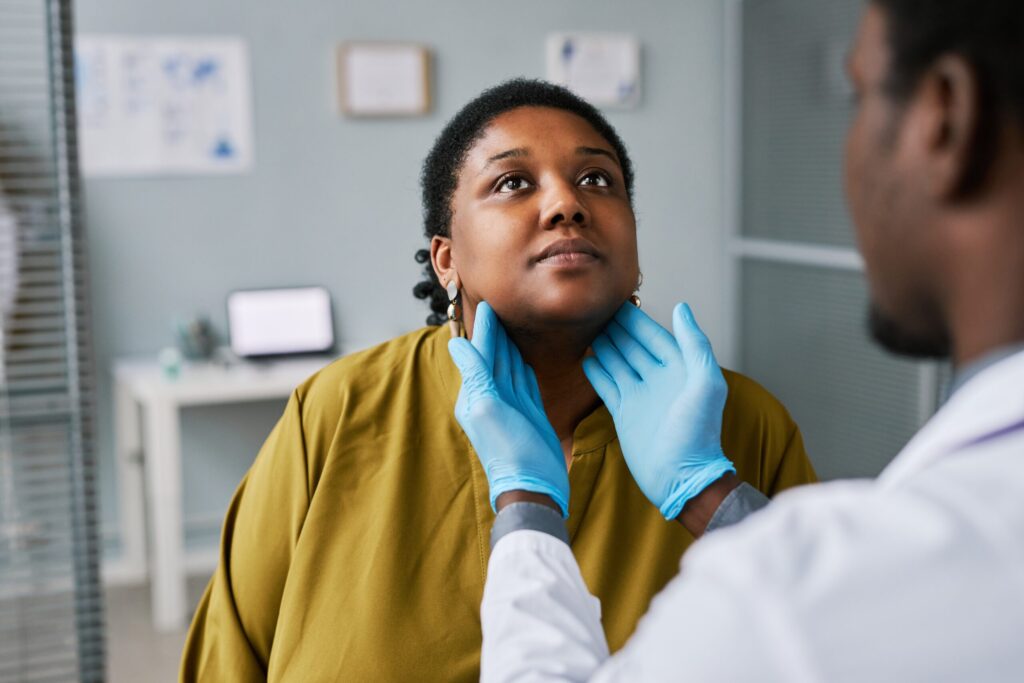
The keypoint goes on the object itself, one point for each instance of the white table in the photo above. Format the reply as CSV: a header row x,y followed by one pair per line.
x,y
154,491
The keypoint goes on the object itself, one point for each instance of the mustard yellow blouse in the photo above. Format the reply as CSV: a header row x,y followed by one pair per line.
x,y
356,545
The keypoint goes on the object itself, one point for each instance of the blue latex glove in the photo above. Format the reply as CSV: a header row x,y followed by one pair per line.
x,y
500,409
666,396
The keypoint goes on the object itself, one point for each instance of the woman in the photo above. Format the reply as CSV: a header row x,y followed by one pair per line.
x,y
355,547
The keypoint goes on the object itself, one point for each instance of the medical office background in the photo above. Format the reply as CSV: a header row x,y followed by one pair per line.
x,y
736,137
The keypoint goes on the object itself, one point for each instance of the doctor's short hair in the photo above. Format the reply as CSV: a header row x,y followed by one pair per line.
x,y
444,162
988,35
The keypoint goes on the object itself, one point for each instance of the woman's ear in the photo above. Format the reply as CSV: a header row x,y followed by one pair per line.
x,y
441,259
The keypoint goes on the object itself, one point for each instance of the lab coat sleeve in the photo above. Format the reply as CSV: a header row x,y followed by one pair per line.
x,y
540,623
539,620
232,631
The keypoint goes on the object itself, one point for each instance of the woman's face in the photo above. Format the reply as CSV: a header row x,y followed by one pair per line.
x,y
542,227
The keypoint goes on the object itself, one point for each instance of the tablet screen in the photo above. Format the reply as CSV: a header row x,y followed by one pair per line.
x,y
276,322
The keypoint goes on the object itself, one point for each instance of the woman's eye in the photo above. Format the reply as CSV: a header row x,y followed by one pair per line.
x,y
513,184
595,179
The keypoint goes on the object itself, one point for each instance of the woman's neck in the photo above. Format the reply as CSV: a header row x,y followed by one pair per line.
x,y
557,360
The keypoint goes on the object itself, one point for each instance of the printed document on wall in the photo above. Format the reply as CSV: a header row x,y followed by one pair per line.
x,y
603,68
159,106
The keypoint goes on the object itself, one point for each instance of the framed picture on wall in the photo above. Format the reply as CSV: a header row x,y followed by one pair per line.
x,y
383,79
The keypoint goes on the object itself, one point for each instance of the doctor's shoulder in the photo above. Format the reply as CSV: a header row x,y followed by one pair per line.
x,y
761,437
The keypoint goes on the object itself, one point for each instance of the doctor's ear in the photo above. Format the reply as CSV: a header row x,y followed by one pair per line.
x,y
948,128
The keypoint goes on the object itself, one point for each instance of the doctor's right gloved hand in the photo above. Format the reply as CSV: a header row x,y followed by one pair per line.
x,y
500,409
666,395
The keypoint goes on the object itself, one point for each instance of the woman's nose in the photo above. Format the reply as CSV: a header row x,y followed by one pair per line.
x,y
565,207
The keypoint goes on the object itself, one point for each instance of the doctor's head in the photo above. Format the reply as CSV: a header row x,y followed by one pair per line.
x,y
527,197
934,163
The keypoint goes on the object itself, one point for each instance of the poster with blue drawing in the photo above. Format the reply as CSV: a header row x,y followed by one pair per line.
x,y
602,68
160,106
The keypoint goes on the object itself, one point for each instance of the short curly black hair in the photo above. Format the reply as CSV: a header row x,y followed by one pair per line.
x,y
441,168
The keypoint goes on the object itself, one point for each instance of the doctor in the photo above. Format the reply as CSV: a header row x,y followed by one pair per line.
x,y
917,576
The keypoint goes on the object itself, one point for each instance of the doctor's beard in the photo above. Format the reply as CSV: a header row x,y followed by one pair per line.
x,y
898,339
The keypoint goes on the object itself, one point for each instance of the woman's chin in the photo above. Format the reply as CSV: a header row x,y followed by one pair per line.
x,y
566,312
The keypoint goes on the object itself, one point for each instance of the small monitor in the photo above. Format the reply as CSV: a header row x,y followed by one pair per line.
x,y
280,322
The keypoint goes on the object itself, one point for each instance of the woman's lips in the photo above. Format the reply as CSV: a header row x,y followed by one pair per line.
x,y
571,258
572,252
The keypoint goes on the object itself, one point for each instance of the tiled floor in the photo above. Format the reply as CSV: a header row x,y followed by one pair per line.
x,y
135,652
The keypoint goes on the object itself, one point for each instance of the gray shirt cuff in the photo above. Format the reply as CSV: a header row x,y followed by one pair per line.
x,y
532,516
742,501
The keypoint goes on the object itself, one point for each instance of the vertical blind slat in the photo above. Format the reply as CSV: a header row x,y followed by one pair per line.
x,y
51,624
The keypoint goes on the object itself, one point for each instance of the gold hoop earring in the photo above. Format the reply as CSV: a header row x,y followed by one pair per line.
x,y
454,312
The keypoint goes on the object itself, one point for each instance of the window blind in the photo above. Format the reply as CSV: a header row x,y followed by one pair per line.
x,y
807,340
796,108
801,298
50,602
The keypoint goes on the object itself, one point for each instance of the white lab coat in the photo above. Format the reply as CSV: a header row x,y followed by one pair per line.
x,y
916,576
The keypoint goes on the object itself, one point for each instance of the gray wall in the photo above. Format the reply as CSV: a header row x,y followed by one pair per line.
x,y
335,201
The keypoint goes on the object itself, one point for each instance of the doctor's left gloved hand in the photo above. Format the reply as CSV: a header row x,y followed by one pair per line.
x,y
666,395
500,409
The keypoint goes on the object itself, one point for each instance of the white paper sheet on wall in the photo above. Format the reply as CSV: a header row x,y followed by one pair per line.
x,y
602,68
383,79
154,106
